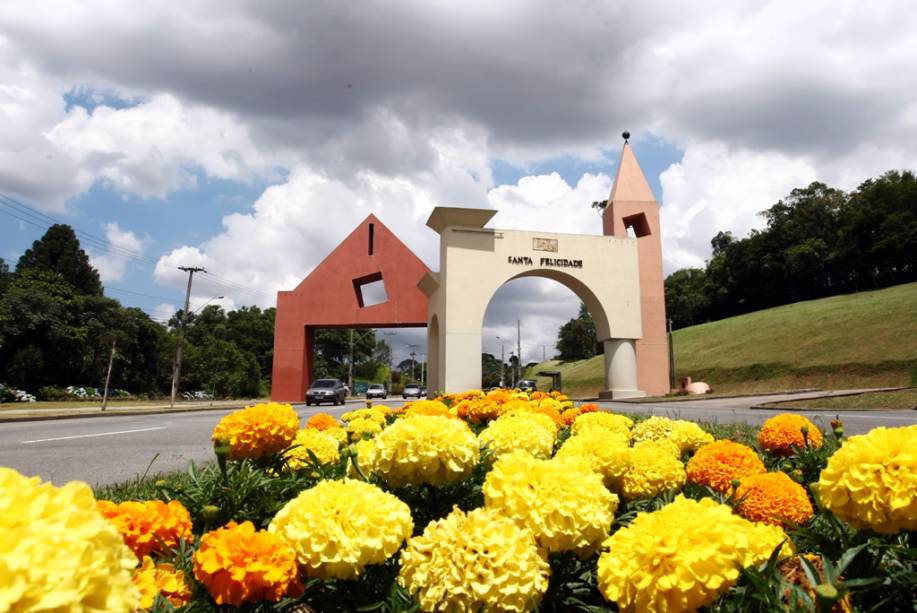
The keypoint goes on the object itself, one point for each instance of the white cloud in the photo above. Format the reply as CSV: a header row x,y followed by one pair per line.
x,y
123,246
714,188
155,148
164,311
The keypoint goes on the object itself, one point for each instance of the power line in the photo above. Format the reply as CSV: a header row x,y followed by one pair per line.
x,y
25,213
33,216
128,291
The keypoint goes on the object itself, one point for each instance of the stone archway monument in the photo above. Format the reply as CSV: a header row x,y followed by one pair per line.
x,y
618,275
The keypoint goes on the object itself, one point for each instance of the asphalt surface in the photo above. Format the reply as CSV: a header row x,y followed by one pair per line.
x,y
104,450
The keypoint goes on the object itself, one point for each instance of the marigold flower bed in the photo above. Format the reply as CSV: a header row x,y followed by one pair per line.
x,y
497,501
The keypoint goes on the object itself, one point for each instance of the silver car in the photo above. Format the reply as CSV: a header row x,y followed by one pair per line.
x,y
376,390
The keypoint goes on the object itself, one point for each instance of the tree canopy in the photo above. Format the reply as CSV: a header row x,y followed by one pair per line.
x,y
59,251
576,339
818,241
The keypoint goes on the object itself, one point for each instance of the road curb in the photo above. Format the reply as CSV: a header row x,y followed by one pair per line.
x,y
770,406
117,413
690,397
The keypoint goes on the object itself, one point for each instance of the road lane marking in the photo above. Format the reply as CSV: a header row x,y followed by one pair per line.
x,y
66,438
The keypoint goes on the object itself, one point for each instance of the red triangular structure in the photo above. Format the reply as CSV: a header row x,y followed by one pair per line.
x,y
331,297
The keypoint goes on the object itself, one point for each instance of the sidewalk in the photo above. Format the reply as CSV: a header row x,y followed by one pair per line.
x,y
37,414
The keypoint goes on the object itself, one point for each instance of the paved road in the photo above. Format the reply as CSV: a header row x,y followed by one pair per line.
x,y
114,449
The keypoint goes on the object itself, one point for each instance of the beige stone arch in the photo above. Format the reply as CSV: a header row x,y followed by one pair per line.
x,y
475,262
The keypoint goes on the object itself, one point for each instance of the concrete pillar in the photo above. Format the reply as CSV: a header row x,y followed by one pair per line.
x,y
620,370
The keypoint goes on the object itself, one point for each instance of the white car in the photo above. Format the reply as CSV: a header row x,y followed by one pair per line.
x,y
376,390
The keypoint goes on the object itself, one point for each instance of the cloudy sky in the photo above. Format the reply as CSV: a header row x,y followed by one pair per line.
x,y
251,137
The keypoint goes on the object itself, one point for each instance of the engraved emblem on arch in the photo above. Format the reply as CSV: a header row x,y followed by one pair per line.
x,y
544,244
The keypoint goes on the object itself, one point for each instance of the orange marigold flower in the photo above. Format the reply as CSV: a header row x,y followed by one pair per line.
x,y
322,421
570,415
154,579
258,431
589,407
238,564
781,433
717,464
150,525
773,498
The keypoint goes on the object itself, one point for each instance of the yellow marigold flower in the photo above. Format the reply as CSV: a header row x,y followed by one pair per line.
x,y
764,540
150,525
322,421
654,469
425,449
717,464
690,436
687,434
324,446
359,427
57,552
679,558
520,431
376,414
604,420
773,498
543,419
781,433
563,503
238,564
871,481
481,561
606,450
339,434
426,407
154,579
364,453
337,528
258,430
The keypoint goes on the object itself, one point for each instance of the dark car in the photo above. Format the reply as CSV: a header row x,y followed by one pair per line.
x,y
423,391
527,385
326,390
376,390
411,390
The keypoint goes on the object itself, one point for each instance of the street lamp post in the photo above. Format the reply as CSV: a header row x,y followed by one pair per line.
x,y
502,363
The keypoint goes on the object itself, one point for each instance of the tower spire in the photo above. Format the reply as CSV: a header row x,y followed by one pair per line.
x,y
630,183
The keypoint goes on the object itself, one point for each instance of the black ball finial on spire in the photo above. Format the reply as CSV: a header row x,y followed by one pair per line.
x,y
626,135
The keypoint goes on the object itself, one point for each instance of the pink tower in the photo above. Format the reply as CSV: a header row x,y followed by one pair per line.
x,y
632,205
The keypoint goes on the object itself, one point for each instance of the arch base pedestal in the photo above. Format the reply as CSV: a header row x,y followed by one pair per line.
x,y
620,370
621,394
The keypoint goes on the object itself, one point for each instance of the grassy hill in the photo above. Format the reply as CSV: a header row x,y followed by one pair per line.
x,y
867,339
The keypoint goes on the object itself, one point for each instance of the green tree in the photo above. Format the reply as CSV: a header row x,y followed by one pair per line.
x,y
41,342
576,339
687,296
490,371
59,251
220,367
4,276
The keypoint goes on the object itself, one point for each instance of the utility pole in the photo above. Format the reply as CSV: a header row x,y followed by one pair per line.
x,y
543,358
502,364
350,363
176,369
111,360
519,348
412,361
423,363
390,352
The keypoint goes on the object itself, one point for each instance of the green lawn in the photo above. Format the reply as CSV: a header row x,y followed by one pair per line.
x,y
867,339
